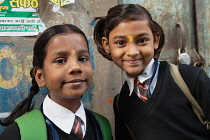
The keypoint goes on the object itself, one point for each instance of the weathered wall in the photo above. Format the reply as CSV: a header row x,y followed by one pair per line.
x,y
203,30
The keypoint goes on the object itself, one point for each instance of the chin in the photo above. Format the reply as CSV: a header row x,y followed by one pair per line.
x,y
133,74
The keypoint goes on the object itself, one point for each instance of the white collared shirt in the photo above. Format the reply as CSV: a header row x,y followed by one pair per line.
x,y
61,116
144,77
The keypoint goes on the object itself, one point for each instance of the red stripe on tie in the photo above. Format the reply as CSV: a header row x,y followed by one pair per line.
x,y
143,97
77,127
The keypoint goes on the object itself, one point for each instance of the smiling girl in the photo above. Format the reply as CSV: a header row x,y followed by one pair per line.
x,y
150,105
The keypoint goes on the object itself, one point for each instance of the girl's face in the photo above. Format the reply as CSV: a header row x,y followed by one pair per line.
x,y
67,70
131,45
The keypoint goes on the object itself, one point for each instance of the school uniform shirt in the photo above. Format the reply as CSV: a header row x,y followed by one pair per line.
x,y
62,124
168,114
145,78
62,117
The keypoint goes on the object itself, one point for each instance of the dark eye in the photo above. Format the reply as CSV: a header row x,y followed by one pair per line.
x,y
60,60
142,40
83,59
120,42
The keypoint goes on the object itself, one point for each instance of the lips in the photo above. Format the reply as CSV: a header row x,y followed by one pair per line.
x,y
132,61
74,82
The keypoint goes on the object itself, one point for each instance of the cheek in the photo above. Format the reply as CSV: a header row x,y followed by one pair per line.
x,y
89,71
117,53
52,75
149,52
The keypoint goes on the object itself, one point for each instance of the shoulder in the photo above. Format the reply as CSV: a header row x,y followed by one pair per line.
x,y
187,68
190,72
12,132
33,118
102,122
95,115
164,67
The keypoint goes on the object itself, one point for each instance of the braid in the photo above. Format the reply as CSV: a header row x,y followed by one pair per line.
x,y
25,105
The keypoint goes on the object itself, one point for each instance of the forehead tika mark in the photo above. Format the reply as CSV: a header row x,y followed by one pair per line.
x,y
72,52
130,38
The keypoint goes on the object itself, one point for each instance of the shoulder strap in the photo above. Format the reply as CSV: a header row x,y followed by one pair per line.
x,y
181,83
117,100
32,126
105,126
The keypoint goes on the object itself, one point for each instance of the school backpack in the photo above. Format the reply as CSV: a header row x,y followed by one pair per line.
x,y
33,127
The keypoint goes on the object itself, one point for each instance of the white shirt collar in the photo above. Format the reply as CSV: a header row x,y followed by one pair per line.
x,y
61,116
146,74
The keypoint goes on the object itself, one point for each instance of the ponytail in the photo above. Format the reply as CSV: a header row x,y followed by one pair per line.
x,y
25,105
159,32
98,33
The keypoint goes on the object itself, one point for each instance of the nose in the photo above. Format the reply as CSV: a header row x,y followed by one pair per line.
x,y
75,68
132,50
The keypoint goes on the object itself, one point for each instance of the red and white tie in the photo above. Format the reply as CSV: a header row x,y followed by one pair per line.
x,y
143,91
77,127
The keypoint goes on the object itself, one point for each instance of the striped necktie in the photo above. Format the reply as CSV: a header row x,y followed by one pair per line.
x,y
77,127
142,89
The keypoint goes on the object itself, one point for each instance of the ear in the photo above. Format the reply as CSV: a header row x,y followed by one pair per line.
x,y
156,43
39,76
105,43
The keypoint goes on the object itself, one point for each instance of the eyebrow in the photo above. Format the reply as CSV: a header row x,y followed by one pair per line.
x,y
139,35
68,52
143,34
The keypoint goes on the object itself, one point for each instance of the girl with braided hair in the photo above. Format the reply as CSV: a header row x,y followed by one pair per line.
x,y
61,62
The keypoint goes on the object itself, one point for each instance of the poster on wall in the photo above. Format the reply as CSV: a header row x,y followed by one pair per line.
x,y
20,18
62,2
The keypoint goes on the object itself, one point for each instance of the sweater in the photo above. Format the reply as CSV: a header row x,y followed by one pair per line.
x,y
168,114
93,131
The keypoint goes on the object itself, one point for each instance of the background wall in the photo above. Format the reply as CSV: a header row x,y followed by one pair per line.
x,y
16,52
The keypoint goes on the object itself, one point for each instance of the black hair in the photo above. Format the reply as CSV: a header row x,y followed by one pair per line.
x,y
121,13
39,54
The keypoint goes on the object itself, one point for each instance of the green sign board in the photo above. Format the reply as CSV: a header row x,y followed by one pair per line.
x,y
20,18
